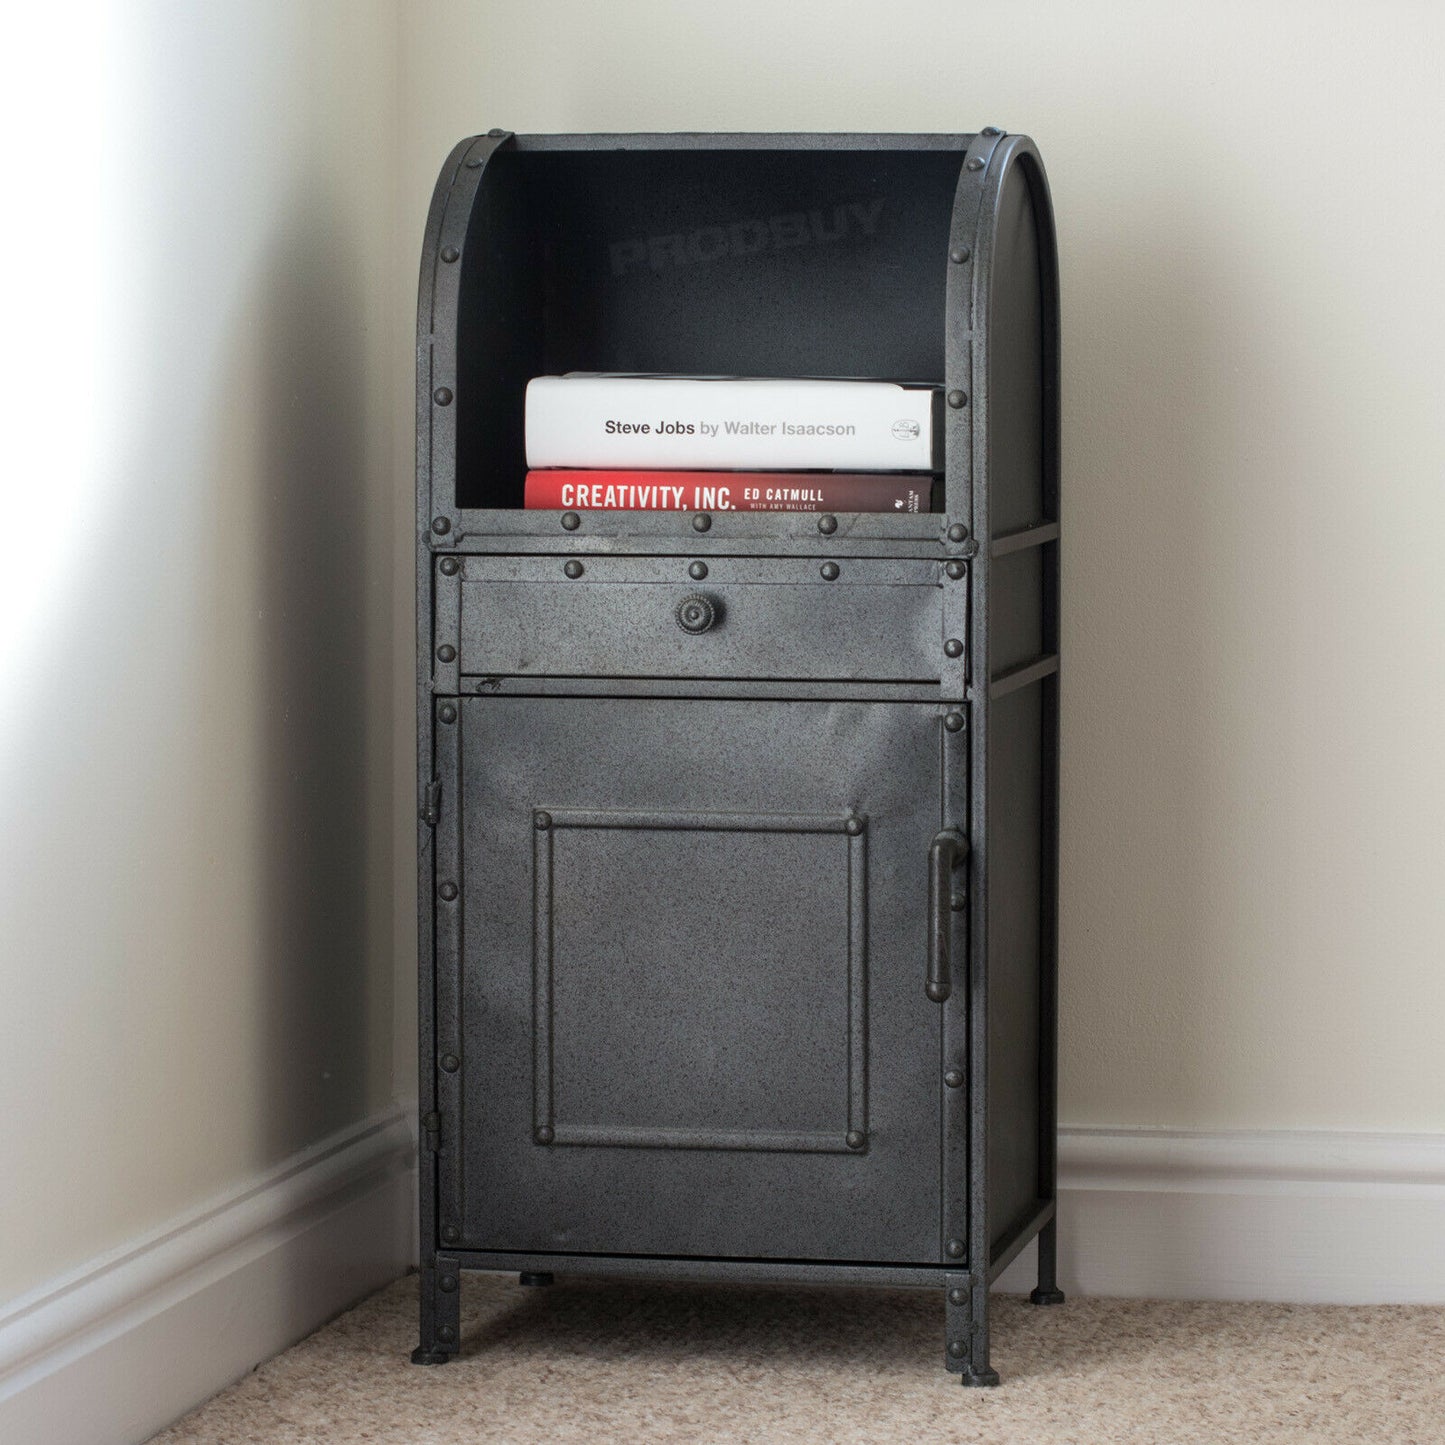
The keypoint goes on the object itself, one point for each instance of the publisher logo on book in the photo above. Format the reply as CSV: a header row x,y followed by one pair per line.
x,y
821,226
906,429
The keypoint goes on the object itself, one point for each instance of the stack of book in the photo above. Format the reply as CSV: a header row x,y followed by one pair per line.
x,y
741,444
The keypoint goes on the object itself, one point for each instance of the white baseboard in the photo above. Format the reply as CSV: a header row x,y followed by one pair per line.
x,y
114,1351
1298,1216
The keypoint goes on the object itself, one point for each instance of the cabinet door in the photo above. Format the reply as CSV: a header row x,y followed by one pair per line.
x,y
690,1013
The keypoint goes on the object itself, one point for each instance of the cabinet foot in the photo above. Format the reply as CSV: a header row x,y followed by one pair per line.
x,y
977,1376
965,1329
1048,1291
441,1316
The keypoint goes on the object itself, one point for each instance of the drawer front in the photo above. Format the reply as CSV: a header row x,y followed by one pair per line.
x,y
629,617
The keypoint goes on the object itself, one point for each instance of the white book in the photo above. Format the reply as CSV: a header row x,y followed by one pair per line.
x,y
737,423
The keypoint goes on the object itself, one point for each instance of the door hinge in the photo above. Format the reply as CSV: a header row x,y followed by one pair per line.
x,y
431,1131
431,808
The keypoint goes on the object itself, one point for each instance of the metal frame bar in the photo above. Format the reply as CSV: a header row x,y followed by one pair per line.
x,y
968,322
741,140
1047,1292
731,1271
1011,679
773,689
1021,540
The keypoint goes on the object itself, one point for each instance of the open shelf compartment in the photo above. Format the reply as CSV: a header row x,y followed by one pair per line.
x,y
749,260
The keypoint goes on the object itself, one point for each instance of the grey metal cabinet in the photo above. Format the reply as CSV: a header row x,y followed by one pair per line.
x,y
737,952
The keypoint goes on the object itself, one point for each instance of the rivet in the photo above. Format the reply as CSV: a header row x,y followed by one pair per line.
x,y
955,570
447,713
441,526
992,130
959,255
970,548
828,571
431,1122
448,1283
954,1248
957,398
451,1233
445,1333
957,1349
854,1139
447,892
958,1296
973,163
957,532
853,827
697,571
544,1134
475,164
953,721
701,522
570,521
446,653
953,648
953,1079
827,525
542,821
450,253
496,130
450,566
442,396
450,1063
958,902
573,569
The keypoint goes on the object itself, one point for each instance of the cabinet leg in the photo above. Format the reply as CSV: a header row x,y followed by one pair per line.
x,y
441,1312
1048,1291
966,1329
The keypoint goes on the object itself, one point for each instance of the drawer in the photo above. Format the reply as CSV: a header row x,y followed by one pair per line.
x,y
744,617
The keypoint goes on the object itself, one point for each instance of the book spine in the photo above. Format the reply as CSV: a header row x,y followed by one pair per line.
x,y
691,491
607,421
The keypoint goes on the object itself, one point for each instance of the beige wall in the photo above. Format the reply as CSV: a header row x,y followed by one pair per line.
x,y
1250,213
196,756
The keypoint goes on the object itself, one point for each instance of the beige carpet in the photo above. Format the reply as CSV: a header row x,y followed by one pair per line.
x,y
599,1362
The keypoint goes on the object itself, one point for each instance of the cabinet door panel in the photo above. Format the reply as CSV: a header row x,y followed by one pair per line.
x,y
692,1008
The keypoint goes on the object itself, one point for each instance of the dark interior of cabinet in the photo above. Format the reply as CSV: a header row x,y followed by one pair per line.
x,y
703,262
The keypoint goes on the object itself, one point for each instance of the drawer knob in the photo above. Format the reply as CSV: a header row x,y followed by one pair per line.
x,y
696,613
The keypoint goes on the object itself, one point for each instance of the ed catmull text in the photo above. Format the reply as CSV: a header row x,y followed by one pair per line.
x,y
731,428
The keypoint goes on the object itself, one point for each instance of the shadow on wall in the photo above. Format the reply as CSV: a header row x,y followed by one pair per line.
x,y
1156,471
298,524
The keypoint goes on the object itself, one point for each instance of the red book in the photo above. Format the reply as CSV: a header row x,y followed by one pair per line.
x,y
658,491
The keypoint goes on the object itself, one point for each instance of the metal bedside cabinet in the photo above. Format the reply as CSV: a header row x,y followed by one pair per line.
x,y
738,830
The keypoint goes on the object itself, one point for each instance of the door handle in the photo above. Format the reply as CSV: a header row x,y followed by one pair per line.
x,y
948,850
